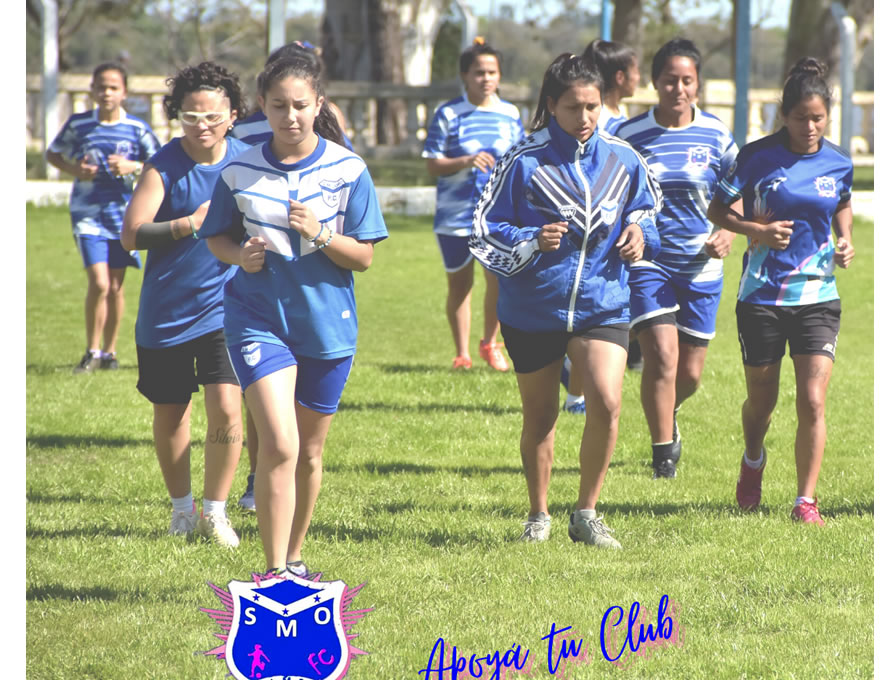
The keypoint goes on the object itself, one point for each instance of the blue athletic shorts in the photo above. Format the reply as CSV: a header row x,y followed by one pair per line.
x,y
656,292
319,382
95,249
455,252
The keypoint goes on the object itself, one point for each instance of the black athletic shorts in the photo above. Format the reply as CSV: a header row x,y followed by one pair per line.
x,y
170,375
764,330
669,320
533,351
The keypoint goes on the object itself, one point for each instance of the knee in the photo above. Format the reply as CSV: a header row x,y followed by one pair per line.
x,y
539,428
98,286
760,409
811,406
606,409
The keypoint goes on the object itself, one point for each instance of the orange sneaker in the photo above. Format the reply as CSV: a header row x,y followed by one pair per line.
x,y
493,355
462,363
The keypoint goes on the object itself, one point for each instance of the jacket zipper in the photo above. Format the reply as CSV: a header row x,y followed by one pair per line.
x,y
575,289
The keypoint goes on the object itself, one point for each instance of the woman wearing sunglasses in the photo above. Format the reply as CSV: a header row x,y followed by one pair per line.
x,y
179,333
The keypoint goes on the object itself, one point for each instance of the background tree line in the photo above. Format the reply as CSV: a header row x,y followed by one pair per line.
x,y
159,36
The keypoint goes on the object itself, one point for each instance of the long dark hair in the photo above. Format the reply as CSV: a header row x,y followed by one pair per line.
x,y
677,47
806,79
478,48
609,57
205,76
561,74
306,65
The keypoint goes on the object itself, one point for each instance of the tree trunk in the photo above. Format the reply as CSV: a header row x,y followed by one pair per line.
x,y
813,33
387,41
627,23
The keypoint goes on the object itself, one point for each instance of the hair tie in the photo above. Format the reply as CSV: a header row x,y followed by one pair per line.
x,y
479,40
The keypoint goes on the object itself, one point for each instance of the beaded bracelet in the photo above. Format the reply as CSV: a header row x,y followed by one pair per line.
x,y
329,238
312,240
192,226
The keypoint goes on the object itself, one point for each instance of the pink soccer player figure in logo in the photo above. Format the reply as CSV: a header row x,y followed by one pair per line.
x,y
256,661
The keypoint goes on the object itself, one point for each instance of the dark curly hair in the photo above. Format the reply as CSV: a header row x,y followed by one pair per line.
x,y
206,76
806,79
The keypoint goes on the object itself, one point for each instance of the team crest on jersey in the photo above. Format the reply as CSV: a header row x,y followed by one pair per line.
x,y
285,626
608,210
329,191
568,211
698,157
125,148
826,187
251,353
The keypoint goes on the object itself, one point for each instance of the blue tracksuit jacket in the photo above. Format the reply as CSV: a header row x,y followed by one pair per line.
x,y
598,187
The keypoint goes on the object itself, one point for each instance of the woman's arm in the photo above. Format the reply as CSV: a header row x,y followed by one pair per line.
x,y
138,231
842,225
342,250
81,170
774,234
437,167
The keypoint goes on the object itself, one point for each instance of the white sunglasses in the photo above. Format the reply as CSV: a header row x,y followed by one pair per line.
x,y
211,118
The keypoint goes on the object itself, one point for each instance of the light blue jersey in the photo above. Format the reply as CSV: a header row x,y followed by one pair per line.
x,y
778,184
300,299
97,206
688,162
459,128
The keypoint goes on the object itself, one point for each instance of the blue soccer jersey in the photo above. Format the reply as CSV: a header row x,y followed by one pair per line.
x,y
97,206
688,162
459,128
608,122
255,129
183,286
778,184
300,299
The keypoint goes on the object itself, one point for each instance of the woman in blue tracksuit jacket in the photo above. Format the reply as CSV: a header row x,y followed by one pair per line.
x,y
563,214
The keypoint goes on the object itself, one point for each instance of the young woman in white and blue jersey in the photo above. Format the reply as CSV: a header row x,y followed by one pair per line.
x,y
676,296
618,66
299,215
564,214
104,149
786,193
179,331
466,137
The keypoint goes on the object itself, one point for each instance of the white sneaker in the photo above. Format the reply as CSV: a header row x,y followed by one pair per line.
x,y
216,527
182,523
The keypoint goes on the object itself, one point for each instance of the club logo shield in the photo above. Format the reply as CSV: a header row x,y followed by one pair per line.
x,y
287,627
330,191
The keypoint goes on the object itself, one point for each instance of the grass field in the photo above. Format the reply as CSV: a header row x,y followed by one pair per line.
x,y
423,498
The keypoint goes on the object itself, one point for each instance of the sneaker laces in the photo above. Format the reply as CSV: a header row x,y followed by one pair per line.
x,y
597,524
531,527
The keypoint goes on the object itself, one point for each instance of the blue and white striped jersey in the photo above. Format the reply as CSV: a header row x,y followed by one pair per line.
x,y
778,184
688,162
609,123
255,129
459,128
300,299
97,206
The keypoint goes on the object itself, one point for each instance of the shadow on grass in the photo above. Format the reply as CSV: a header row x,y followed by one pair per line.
x,y
47,369
82,532
420,469
348,405
63,441
55,591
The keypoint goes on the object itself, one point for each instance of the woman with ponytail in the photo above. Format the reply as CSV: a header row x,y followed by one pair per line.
x,y
786,193
298,214
561,218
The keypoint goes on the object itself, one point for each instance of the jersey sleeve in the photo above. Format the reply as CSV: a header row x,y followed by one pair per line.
x,y
66,141
363,217
645,200
437,137
149,145
223,214
846,186
735,178
729,155
502,246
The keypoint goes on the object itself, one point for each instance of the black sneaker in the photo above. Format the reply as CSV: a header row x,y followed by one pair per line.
x,y
88,364
109,363
665,459
676,434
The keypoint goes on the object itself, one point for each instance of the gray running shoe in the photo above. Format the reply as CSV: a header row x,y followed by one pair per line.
x,y
88,364
591,531
536,529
